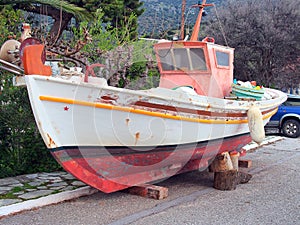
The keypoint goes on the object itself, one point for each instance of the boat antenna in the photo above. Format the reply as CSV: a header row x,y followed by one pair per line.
x,y
196,29
183,5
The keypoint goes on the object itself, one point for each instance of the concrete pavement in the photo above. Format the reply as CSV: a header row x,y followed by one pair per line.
x,y
271,197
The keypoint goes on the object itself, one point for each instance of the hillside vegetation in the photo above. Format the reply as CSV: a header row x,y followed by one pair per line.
x,y
160,17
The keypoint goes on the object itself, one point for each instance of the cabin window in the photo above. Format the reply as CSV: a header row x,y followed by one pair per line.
x,y
185,59
198,59
222,58
181,59
166,59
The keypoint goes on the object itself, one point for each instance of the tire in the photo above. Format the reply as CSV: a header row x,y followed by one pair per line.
x,y
291,128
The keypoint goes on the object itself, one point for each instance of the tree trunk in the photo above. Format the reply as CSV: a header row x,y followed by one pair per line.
x,y
60,24
226,180
61,18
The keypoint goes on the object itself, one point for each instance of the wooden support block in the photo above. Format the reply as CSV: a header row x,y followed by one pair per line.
x,y
226,180
245,163
149,191
222,162
234,156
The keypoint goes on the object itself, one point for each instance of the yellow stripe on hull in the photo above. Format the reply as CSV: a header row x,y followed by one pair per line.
x,y
144,112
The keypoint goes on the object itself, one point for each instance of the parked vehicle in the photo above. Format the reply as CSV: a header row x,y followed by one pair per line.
x,y
287,118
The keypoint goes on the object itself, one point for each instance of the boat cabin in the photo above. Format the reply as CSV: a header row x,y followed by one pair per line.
x,y
205,66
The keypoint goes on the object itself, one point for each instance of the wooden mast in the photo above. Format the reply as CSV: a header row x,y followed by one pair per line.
x,y
196,29
182,19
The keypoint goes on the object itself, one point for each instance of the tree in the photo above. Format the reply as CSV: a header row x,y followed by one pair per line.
x,y
9,21
127,62
116,12
60,11
265,35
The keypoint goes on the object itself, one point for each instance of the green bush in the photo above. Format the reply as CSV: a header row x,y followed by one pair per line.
x,y
140,78
22,149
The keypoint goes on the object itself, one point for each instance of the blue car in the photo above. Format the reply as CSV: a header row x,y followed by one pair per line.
x,y
287,118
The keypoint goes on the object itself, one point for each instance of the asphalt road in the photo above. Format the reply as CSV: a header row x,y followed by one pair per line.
x,y
271,197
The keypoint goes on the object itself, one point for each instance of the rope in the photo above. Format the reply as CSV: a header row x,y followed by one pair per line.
x,y
220,25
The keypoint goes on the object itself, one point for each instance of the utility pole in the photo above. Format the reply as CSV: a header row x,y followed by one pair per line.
x,y
183,5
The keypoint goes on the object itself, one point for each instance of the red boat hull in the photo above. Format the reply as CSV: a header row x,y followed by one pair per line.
x,y
110,169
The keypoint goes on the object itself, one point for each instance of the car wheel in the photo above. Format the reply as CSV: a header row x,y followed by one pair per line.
x,y
291,128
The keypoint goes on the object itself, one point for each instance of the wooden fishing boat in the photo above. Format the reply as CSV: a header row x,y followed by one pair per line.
x,y
113,138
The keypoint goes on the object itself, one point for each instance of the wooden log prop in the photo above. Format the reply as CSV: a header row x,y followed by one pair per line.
x,y
226,174
222,162
226,180
256,125
234,156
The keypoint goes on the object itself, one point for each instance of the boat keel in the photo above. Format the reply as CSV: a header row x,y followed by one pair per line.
x,y
120,168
